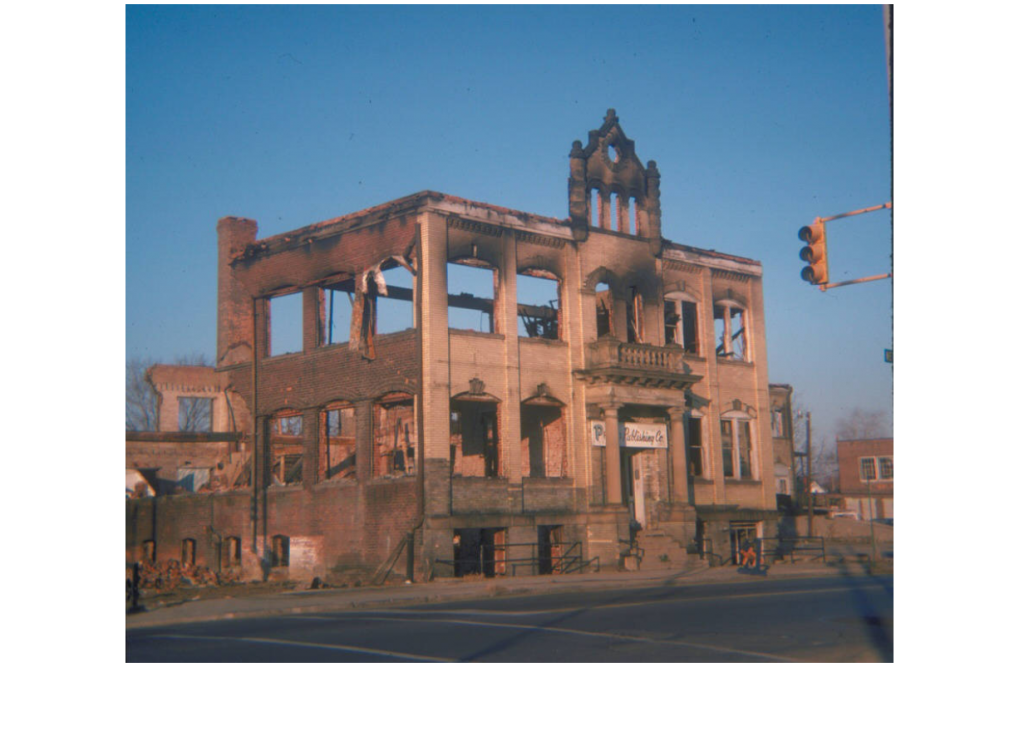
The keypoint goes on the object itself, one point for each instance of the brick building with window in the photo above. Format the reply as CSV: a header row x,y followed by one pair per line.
x,y
599,395
866,476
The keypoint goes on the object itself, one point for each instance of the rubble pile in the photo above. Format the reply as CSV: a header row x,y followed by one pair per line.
x,y
171,574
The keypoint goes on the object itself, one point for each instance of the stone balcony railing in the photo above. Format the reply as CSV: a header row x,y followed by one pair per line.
x,y
610,353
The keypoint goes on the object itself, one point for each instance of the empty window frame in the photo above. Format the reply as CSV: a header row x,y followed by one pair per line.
x,y
386,305
731,331
695,445
603,305
474,438
188,552
615,211
778,423
634,217
334,312
635,316
868,470
194,479
195,414
471,293
149,551
538,306
394,436
337,441
737,447
232,551
594,211
543,441
286,448
280,550
284,324
681,323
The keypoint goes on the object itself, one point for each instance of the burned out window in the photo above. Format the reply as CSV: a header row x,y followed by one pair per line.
x,y
149,551
778,423
193,479
195,414
635,316
594,211
695,445
286,448
335,312
384,305
394,436
337,441
543,441
867,469
232,551
538,304
737,446
474,438
731,331
280,548
603,309
284,324
471,290
681,323
188,552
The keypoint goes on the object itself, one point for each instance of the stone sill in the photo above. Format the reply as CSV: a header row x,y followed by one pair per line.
x,y
476,333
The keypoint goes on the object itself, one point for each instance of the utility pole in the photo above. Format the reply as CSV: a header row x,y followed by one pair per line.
x,y
871,519
810,495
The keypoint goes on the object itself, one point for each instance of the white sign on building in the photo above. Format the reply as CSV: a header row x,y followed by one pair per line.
x,y
636,436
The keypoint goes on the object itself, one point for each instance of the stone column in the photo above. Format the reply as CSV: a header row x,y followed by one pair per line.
x,y
677,445
612,468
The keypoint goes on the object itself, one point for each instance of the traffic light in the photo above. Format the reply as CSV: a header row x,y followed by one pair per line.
x,y
815,253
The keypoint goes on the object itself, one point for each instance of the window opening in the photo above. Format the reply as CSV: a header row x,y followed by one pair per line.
x,y
394,436
737,448
778,423
634,217
538,304
474,438
681,324
195,414
742,535
335,312
595,208
549,549
613,205
603,302
337,441
543,441
885,468
386,306
280,550
394,302
730,332
286,448
613,153
233,551
194,479
188,552
695,445
480,551
635,317
867,468
284,331
471,290
149,551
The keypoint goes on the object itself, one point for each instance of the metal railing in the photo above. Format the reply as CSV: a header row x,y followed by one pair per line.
x,y
570,560
779,549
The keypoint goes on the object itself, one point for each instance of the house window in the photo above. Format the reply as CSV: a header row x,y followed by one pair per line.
x,y
394,435
681,323
337,441
731,331
195,414
280,547
737,446
885,468
867,469
695,445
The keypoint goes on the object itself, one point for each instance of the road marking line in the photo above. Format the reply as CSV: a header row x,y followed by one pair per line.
x,y
345,648
586,633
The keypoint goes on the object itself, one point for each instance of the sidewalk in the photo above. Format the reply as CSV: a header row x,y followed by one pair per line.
x,y
451,590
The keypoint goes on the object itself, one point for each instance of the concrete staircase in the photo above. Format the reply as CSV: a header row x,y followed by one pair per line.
x,y
661,551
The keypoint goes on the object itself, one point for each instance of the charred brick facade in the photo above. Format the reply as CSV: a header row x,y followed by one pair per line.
x,y
625,419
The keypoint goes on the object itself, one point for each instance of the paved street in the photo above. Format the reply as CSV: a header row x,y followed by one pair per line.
x,y
823,619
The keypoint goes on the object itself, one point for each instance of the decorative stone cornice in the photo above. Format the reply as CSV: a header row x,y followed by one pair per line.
x,y
729,276
680,266
532,238
478,227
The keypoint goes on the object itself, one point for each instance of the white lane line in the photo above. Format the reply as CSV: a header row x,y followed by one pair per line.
x,y
316,645
580,632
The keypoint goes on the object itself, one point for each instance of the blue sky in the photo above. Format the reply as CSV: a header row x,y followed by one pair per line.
x,y
759,117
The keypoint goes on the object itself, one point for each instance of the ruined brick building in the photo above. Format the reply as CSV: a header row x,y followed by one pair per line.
x,y
621,419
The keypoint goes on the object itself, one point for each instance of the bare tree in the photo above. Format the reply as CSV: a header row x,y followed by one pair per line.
x,y
859,424
140,397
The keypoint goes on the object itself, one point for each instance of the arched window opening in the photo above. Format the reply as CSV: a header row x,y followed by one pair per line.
x,y
737,446
731,328
603,306
681,322
286,448
334,312
394,436
337,441
543,440
613,205
595,208
635,316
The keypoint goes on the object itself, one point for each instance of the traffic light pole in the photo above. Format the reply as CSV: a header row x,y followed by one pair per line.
x,y
823,287
856,213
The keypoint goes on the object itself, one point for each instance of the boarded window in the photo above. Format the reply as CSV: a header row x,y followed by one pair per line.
x,y
195,414
280,550
337,441
394,436
695,445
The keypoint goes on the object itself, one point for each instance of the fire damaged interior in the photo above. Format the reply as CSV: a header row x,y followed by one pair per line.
x,y
468,390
